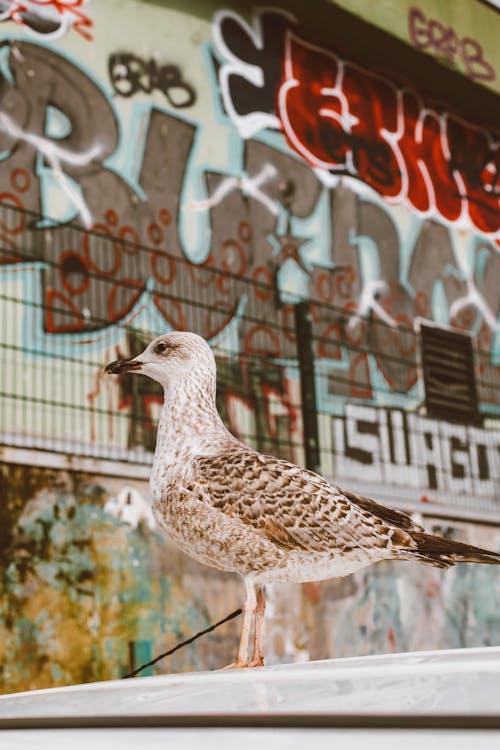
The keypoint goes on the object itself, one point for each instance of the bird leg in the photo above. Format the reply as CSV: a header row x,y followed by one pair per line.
x,y
249,608
258,651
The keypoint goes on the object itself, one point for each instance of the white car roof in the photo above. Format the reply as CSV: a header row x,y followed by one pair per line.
x,y
427,686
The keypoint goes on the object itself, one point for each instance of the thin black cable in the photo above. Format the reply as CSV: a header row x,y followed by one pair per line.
x,y
236,613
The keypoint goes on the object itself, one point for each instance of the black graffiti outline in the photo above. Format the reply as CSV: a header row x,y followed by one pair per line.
x,y
129,74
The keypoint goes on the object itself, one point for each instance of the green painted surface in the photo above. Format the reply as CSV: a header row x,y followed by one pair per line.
x,y
83,595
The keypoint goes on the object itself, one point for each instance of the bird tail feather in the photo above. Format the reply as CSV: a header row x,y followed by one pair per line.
x,y
443,553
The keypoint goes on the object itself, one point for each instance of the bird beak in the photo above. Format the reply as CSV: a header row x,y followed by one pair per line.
x,y
122,365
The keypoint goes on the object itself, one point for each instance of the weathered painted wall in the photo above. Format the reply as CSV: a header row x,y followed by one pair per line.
x,y
88,585
85,575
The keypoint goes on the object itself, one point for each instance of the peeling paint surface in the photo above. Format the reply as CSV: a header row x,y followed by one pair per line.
x,y
88,594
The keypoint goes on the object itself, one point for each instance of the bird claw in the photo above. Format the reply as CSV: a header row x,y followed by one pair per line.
x,y
238,664
256,663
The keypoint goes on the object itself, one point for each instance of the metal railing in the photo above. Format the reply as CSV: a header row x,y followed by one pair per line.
x,y
73,299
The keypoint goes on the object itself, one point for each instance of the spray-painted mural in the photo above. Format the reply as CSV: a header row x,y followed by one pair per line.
x,y
233,143
250,150
47,19
393,447
343,120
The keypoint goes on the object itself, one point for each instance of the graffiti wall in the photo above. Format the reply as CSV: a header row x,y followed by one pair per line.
x,y
164,146
234,143
245,148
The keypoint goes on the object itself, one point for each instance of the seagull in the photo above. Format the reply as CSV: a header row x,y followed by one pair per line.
x,y
235,509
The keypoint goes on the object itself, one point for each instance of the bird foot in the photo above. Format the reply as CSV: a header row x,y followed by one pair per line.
x,y
256,663
239,664
236,664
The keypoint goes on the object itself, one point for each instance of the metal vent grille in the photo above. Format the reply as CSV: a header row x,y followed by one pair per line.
x,y
449,378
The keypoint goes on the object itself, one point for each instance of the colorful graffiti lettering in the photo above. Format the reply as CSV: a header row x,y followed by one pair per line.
x,y
344,120
258,404
286,220
98,280
387,302
49,19
103,200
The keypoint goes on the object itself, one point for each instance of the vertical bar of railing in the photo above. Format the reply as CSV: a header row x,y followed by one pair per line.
x,y
305,356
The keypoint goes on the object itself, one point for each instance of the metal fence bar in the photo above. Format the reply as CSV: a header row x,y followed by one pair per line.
x,y
305,357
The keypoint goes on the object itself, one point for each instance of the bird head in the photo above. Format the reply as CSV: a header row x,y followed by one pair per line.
x,y
169,357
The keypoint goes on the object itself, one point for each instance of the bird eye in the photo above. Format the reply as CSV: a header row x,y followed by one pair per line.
x,y
160,347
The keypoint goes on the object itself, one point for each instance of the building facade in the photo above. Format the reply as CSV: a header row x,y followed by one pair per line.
x,y
219,167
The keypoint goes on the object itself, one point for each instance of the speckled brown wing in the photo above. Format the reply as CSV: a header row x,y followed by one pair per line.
x,y
295,508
